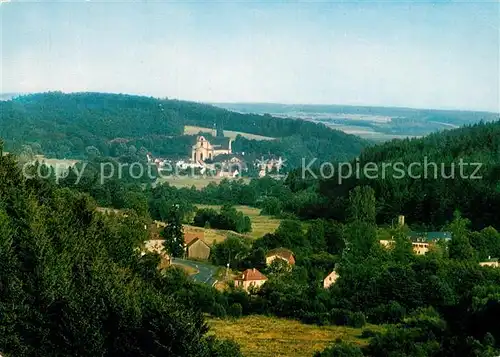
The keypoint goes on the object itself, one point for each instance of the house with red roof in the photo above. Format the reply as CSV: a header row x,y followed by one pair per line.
x,y
280,253
250,279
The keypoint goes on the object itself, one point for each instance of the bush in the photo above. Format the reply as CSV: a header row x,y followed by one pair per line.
x,y
219,311
223,348
235,310
271,206
228,218
367,333
357,319
339,317
393,312
340,349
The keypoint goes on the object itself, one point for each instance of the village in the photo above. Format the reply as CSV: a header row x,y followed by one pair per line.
x,y
215,158
198,250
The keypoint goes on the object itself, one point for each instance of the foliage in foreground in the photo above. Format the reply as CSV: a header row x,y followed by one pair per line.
x,y
72,284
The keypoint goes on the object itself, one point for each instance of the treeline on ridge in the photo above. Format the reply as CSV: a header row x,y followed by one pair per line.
x,y
72,125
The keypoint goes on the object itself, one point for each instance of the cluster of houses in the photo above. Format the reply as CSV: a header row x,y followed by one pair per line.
x,y
196,248
252,279
216,156
421,242
267,165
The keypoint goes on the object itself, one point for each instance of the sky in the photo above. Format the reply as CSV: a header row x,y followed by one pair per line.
x,y
442,55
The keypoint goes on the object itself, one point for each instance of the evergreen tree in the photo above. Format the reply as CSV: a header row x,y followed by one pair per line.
x,y
460,247
173,233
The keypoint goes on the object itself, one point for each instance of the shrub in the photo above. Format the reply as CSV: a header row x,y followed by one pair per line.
x,y
271,206
219,311
357,319
339,317
235,310
340,349
367,333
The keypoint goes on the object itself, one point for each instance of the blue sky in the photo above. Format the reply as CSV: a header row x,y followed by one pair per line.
x,y
426,55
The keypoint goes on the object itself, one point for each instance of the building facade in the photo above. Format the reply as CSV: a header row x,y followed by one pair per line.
x,y
250,279
330,279
491,262
280,253
198,249
203,149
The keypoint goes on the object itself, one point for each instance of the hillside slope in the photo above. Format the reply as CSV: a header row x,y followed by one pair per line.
x,y
72,125
66,124
428,198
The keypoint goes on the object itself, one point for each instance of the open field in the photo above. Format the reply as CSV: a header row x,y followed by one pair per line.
x,y
260,224
193,130
211,235
197,182
261,336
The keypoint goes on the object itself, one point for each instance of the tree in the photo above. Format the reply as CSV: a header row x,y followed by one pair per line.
x,y
460,247
173,234
340,349
278,267
233,250
271,206
362,205
235,310
486,243
72,284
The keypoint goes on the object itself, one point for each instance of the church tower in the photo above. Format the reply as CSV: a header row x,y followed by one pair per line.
x,y
220,130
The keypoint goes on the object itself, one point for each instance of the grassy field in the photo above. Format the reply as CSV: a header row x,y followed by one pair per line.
x,y
193,130
189,270
261,336
211,235
198,182
260,224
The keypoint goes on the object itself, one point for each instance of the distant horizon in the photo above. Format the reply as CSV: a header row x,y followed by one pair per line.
x,y
258,103
426,54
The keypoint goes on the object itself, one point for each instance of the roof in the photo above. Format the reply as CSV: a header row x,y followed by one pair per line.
x,y
220,143
196,240
490,260
190,236
283,253
252,274
228,157
431,235
333,272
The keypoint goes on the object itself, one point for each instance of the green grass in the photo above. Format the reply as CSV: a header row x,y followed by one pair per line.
x,y
197,182
261,336
261,225
193,130
210,235
188,269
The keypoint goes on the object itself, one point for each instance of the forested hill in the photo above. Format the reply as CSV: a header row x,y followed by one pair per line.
x,y
66,125
72,282
425,198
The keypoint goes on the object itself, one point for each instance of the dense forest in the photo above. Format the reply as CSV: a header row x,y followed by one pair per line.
x,y
428,203
429,200
72,282
65,125
76,125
